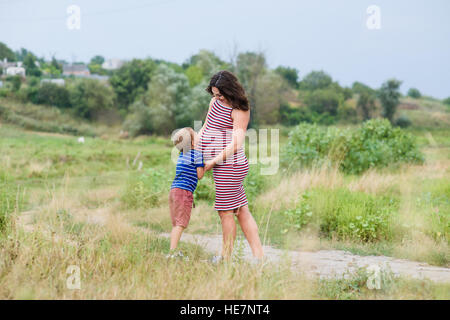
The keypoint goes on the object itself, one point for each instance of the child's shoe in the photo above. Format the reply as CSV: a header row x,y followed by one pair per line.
x,y
177,255
180,255
216,259
170,256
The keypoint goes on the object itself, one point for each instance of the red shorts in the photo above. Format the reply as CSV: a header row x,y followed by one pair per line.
x,y
180,204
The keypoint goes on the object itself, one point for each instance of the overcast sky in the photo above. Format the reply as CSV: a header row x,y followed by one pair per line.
x,y
412,45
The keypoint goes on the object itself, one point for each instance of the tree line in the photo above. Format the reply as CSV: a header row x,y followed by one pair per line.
x,y
154,96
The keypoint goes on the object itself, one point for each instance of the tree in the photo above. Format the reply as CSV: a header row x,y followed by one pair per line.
x,y
446,101
21,54
89,98
414,93
323,101
95,65
289,74
97,60
250,67
31,68
162,105
55,68
366,103
315,80
359,87
53,95
389,96
269,95
194,75
15,81
131,81
194,107
208,63
6,52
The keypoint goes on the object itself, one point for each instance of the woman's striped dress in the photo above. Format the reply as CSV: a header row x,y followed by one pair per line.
x,y
229,175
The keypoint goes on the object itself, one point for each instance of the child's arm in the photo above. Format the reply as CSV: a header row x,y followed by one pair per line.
x,y
200,172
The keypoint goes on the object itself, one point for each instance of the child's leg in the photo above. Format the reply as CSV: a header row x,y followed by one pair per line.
x,y
175,236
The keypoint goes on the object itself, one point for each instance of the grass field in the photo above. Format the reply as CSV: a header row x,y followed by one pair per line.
x,y
93,205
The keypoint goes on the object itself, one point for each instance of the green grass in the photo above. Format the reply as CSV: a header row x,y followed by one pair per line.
x,y
60,179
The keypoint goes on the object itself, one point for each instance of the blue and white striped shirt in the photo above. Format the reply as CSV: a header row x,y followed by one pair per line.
x,y
186,172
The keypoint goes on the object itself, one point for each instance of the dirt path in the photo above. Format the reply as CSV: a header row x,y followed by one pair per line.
x,y
322,263
327,263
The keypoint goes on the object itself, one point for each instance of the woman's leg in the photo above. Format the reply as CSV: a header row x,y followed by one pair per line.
x,y
228,232
250,229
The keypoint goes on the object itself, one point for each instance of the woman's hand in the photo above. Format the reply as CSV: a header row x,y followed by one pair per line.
x,y
209,165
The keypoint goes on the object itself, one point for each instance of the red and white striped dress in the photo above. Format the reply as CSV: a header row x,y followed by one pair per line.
x,y
229,175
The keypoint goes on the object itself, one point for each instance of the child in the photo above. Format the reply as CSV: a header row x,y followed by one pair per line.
x,y
190,168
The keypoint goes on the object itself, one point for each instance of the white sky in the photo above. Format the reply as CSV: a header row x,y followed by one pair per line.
x,y
413,44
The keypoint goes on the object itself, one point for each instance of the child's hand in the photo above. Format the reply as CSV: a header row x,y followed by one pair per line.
x,y
209,165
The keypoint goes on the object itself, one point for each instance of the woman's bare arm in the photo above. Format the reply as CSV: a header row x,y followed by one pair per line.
x,y
240,122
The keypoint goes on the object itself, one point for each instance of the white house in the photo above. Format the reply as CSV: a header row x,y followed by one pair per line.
x,y
5,65
112,64
59,82
15,71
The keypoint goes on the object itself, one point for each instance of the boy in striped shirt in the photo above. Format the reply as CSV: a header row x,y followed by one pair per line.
x,y
190,168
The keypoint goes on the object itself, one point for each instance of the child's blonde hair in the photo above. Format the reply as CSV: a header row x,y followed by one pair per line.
x,y
183,139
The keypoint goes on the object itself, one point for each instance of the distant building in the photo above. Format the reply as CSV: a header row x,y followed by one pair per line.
x,y
5,65
75,70
15,71
112,64
59,82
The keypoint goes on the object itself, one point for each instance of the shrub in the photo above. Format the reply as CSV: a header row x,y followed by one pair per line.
x,y
51,94
446,101
139,120
348,215
298,217
375,144
309,144
145,190
15,81
323,101
90,97
292,116
402,122
4,92
347,113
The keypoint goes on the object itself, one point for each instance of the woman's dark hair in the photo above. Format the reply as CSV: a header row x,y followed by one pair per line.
x,y
229,86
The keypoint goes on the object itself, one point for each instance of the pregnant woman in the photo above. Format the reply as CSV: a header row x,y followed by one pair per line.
x,y
221,140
